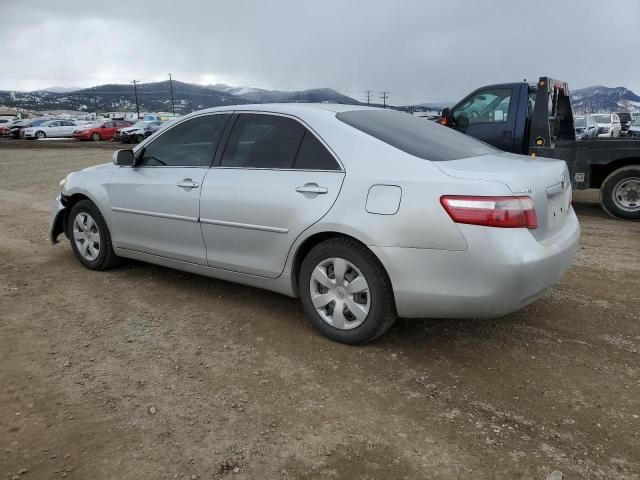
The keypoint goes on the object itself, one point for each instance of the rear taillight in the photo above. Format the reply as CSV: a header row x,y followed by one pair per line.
x,y
504,212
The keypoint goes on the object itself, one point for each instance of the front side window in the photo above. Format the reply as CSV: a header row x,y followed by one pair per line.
x,y
189,144
488,106
263,141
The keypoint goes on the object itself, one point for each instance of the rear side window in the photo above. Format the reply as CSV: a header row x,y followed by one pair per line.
x,y
189,144
263,141
314,156
415,136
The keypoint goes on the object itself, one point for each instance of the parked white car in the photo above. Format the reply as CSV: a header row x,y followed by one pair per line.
x,y
609,125
51,129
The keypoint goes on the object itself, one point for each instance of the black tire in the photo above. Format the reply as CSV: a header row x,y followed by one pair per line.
x,y
96,137
382,312
40,135
608,193
106,257
139,138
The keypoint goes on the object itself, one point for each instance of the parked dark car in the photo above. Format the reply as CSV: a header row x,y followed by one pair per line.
x,y
625,122
137,132
13,131
6,123
586,127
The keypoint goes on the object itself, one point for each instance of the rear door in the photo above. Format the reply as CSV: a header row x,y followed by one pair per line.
x,y
488,115
274,179
54,129
155,205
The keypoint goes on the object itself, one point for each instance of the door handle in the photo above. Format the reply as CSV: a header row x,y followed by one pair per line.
x,y
312,188
188,183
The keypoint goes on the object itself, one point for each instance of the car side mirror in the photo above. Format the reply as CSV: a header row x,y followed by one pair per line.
x,y
445,117
124,158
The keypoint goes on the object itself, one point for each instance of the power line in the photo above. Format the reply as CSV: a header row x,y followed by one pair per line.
x,y
135,91
384,96
173,108
368,95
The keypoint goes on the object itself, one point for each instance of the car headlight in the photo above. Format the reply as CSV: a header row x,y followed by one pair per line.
x,y
62,182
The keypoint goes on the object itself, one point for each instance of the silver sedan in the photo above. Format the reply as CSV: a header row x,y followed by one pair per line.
x,y
365,214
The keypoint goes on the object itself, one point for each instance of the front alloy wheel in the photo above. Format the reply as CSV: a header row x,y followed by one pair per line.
x,y
86,236
90,237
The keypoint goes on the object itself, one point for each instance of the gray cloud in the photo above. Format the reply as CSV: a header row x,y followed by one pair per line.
x,y
419,50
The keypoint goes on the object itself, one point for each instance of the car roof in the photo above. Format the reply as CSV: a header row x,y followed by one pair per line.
x,y
289,108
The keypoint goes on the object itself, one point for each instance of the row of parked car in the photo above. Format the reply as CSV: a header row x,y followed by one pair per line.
x,y
106,129
606,125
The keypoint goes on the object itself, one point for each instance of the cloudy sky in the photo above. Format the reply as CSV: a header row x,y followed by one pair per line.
x,y
418,50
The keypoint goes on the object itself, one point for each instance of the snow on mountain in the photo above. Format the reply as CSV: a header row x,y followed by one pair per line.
x,y
604,99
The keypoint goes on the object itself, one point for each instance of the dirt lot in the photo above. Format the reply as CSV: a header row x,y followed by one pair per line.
x,y
147,373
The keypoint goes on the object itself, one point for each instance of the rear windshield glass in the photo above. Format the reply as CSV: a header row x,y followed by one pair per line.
x,y
579,122
602,118
416,136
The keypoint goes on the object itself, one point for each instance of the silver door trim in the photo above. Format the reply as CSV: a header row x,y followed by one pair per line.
x,y
248,226
155,214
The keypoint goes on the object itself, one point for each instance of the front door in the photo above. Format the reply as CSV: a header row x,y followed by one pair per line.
x,y
274,180
155,205
488,115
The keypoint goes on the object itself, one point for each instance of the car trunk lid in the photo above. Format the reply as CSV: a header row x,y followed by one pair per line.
x,y
545,180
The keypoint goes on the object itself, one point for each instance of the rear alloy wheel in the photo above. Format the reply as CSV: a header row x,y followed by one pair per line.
x,y
346,292
40,135
90,237
96,137
620,193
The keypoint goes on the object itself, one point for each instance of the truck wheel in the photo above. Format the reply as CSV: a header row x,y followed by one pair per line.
x,y
620,193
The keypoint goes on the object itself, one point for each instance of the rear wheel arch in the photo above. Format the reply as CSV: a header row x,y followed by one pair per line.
x,y
600,172
307,245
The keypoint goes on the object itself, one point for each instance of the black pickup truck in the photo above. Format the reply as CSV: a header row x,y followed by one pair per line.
x,y
537,120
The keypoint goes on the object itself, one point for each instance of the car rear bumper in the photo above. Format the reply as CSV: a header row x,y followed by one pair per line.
x,y
502,271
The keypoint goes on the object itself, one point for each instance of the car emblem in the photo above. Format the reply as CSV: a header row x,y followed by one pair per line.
x,y
563,181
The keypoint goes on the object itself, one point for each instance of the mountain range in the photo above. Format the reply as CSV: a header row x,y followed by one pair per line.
x,y
604,99
156,97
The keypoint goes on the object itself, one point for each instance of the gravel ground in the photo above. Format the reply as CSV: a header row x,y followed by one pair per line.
x,y
147,373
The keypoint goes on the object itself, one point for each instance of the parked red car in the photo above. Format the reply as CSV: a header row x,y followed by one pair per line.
x,y
100,131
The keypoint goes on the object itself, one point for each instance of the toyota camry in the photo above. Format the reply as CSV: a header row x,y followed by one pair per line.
x,y
364,214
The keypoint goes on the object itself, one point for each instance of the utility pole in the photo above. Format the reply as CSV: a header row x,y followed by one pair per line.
x,y
384,97
368,94
135,92
173,108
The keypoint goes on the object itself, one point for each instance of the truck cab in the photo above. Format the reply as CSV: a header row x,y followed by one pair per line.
x,y
496,114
